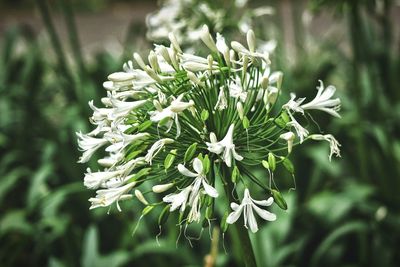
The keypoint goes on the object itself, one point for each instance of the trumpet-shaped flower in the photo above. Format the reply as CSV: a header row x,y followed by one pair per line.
x,y
106,197
225,146
247,207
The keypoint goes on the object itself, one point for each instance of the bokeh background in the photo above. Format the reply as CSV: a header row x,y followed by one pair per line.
x,y
54,57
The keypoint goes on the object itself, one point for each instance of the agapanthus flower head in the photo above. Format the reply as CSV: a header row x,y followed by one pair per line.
x,y
193,128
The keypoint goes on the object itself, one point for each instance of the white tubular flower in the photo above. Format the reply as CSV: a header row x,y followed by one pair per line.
x,y
171,112
200,179
94,180
222,102
333,143
226,146
178,199
156,148
236,90
207,39
322,101
247,206
89,145
195,192
106,197
120,140
289,137
195,63
122,108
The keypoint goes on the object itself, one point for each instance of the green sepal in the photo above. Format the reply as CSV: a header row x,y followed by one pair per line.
x,y
206,164
204,115
271,161
169,159
246,122
190,152
265,164
279,200
146,210
235,174
288,165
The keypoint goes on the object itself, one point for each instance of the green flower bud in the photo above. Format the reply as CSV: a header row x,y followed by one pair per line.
x,y
279,200
190,152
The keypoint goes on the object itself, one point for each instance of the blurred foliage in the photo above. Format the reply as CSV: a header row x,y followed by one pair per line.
x,y
343,213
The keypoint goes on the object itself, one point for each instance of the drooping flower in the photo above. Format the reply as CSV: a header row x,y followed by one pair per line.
x,y
333,143
247,207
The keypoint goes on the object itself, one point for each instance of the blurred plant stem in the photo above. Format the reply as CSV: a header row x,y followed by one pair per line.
x,y
211,258
242,232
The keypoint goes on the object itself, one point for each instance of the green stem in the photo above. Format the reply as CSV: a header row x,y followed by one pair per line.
x,y
243,234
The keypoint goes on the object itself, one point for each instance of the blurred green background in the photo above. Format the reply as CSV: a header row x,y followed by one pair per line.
x,y
54,56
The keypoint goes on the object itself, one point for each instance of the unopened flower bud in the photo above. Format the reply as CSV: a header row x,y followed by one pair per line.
x,y
207,39
152,74
174,42
140,197
251,41
264,82
162,187
153,60
240,110
139,60
194,79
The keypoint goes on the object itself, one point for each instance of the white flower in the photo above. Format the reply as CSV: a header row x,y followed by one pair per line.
x,y
192,196
289,137
225,145
322,101
119,140
247,206
236,90
171,112
200,179
94,180
222,102
106,197
156,148
161,187
333,143
89,145
238,47
178,199
195,63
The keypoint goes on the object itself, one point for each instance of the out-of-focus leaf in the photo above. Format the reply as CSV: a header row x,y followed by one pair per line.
x,y
9,180
15,221
326,245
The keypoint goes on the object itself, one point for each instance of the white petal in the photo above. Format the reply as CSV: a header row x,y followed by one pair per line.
x,y
183,170
211,191
198,165
234,216
265,203
252,220
234,206
266,215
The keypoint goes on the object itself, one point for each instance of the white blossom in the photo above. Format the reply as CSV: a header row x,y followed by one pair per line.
x,y
226,146
89,145
333,143
156,148
106,197
246,207
236,90
289,137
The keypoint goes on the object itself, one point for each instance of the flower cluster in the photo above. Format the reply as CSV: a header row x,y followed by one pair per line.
x,y
185,19
193,128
